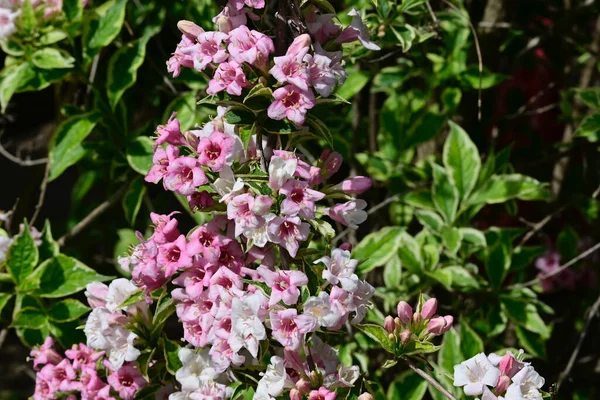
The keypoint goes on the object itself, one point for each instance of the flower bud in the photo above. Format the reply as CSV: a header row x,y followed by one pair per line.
x,y
189,29
366,396
331,163
295,395
509,365
429,308
405,336
299,46
405,312
191,139
398,323
345,246
303,386
438,326
417,318
388,324
355,185
200,200
503,384
449,321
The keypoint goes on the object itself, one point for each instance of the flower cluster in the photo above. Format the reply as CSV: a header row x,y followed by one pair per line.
x,y
423,324
82,372
498,378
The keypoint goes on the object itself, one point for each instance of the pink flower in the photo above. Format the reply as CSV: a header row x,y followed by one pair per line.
x,y
52,7
96,294
247,211
230,77
190,29
162,159
45,354
43,388
289,327
104,394
249,46
357,31
350,213
330,163
299,47
405,312
63,375
340,266
440,325
300,199
183,56
320,26
83,356
321,76
230,18
194,281
174,256
322,394
210,50
289,69
284,284
170,133
239,4
184,175
292,103
165,228
287,232
355,185
200,200
214,150
429,308
127,381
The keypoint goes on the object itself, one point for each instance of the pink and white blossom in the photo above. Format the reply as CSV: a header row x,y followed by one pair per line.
x,y
291,102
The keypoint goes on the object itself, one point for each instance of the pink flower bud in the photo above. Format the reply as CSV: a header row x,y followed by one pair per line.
x,y
405,336
509,365
429,308
299,46
96,294
405,312
189,29
345,246
332,161
366,396
440,325
389,325
192,139
295,395
303,386
355,185
449,321
417,318
503,384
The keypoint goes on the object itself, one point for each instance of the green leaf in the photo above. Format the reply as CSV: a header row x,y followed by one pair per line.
x,y
590,96
4,299
408,386
62,275
319,128
378,334
101,31
171,350
462,278
409,252
377,248
11,48
67,333
525,314
445,195
133,298
323,5
430,219
392,272
122,69
51,58
452,238
239,116
132,200
488,79
143,362
48,248
450,354
501,188
66,148
470,342
473,236
27,18
127,239
67,310
29,317
139,154
567,243
185,107
497,263
323,227
532,342
405,34
12,78
356,81
461,159
53,37
408,4
443,276
420,199
22,257
73,9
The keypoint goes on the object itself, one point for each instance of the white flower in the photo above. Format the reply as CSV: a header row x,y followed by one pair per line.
x,y
475,373
5,243
93,328
226,185
274,380
280,171
526,385
260,236
197,369
361,293
7,22
320,308
121,347
247,330
348,375
364,37
338,266
119,291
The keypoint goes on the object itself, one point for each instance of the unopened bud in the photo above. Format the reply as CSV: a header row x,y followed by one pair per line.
x,y
192,139
189,29
303,386
295,395
354,185
331,163
429,308
437,326
503,384
389,325
345,246
299,46
405,312
315,379
366,396
405,336
417,318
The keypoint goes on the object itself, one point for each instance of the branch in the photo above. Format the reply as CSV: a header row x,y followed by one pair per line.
x,y
538,226
429,379
592,313
43,187
96,212
22,163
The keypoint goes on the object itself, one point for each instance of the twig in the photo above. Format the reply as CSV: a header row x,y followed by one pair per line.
x,y
536,111
429,379
536,227
43,187
433,17
92,76
17,160
559,270
92,216
3,334
569,367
